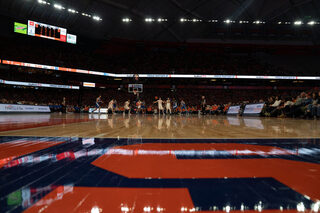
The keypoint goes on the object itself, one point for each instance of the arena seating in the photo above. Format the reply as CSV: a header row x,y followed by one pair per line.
x,y
140,60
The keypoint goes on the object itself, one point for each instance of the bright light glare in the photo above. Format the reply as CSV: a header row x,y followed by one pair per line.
x,y
97,18
300,207
72,11
126,20
311,22
58,6
95,209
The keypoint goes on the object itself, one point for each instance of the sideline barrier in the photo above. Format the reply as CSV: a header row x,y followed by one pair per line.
x,y
23,108
102,110
233,110
253,109
48,67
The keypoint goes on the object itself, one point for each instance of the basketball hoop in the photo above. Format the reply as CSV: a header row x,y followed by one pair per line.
x,y
135,92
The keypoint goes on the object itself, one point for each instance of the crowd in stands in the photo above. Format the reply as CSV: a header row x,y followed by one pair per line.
x,y
304,105
277,103
140,60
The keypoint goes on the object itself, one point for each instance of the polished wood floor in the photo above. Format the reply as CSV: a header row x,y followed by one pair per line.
x,y
93,163
155,126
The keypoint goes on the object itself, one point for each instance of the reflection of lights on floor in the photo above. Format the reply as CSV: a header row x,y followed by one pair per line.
x,y
300,207
124,209
95,209
316,206
147,209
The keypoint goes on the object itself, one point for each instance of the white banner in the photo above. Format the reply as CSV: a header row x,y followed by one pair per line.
x,y
102,110
253,108
233,110
23,108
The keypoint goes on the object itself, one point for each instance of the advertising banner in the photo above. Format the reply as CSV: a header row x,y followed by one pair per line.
x,y
23,108
252,109
233,110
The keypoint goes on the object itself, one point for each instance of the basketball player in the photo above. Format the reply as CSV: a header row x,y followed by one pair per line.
x,y
168,106
203,105
110,106
160,106
115,106
174,106
63,105
143,107
183,106
138,106
98,102
127,107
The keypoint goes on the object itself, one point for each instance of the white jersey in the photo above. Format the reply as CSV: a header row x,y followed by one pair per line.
x,y
168,104
110,105
126,105
160,107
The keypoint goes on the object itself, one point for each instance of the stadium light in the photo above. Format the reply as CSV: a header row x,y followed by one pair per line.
x,y
196,20
183,20
97,18
43,2
162,20
259,22
149,20
228,21
58,6
126,20
311,23
85,14
298,23
72,11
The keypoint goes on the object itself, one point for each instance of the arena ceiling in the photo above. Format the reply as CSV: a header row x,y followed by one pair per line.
x,y
113,11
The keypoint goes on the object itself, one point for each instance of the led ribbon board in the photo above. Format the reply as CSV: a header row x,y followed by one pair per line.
x,y
30,84
113,75
47,31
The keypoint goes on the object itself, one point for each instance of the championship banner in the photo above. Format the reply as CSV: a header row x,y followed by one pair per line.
x,y
233,110
23,108
253,109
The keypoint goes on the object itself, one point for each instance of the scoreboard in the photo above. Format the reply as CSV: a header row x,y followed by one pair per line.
x,y
47,31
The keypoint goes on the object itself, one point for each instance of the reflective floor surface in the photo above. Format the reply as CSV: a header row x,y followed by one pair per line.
x,y
261,170
155,126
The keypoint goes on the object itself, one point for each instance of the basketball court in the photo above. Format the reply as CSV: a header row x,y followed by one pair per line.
x,y
174,106
152,163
